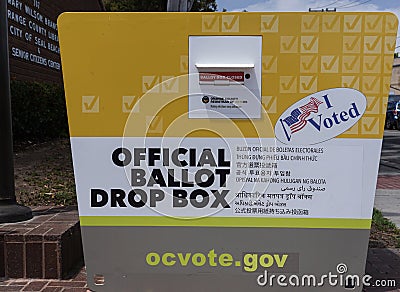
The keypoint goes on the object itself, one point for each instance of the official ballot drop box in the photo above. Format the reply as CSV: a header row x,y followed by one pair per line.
x,y
226,151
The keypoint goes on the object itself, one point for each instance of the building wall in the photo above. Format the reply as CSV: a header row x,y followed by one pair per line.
x,y
395,83
33,38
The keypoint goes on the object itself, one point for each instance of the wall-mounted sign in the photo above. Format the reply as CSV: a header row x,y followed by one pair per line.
x,y
33,36
213,149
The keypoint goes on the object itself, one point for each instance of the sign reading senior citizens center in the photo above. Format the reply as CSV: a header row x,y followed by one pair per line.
x,y
212,150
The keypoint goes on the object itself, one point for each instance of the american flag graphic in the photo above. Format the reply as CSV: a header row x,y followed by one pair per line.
x,y
297,120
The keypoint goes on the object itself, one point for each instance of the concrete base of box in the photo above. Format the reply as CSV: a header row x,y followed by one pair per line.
x,y
46,247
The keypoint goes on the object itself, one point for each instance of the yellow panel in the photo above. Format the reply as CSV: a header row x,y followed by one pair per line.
x,y
120,69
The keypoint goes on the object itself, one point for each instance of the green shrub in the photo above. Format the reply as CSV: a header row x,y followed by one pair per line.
x,y
383,223
38,111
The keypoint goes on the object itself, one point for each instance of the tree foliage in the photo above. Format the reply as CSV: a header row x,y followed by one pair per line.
x,y
135,5
154,5
39,111
204,6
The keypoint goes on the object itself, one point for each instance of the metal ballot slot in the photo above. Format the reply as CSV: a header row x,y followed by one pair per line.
x,y
214,75
225,77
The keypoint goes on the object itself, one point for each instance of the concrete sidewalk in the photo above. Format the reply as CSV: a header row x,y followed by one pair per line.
x,y
388,202
387,197
76,284
384,263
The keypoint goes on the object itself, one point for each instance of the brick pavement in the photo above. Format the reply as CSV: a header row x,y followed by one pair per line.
x,y
76,284
387,197
388,182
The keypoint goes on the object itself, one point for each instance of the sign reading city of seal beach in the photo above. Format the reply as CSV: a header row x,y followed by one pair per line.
x,y
320,116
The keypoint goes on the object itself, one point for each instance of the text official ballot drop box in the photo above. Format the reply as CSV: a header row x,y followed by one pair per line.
x,y
226,151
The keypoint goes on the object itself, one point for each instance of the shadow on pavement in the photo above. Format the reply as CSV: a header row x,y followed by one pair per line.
x,y
383,264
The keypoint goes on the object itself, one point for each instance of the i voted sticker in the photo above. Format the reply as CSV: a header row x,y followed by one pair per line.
x,y
320,116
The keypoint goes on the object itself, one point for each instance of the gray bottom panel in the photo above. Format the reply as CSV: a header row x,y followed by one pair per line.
x,y
153,259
